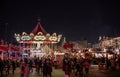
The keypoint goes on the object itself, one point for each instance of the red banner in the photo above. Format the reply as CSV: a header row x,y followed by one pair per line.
x,y
65,46
3,48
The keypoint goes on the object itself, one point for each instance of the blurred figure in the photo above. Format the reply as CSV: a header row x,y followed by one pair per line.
x,y
108,64
47,68
22,69
86,65
7,63
79,68
26,70
66,66
30,65
113,64
13,66
1,67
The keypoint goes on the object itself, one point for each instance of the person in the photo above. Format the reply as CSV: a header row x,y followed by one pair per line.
x,y
119,61
30,65
40,66
7,66
22,69
13,66
86,65
49,65
108,64
113,64
45,70
79,68
1,67
66,66
26,70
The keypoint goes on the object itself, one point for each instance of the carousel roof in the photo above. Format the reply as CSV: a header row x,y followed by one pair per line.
x,y
39,28
38,34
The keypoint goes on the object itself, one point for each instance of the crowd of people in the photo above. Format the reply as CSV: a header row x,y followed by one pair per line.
x,y
6,65
109,63
75,66
71,65
42,65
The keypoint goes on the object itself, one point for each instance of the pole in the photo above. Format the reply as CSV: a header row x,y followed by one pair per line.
x,y
6,24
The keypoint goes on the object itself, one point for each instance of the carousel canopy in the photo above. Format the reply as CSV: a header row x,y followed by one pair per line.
x,y
38,35
39,28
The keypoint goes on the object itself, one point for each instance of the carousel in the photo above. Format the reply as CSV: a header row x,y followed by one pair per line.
x,y
38,43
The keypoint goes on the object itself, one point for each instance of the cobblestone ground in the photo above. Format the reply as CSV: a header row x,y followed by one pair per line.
x,y
94,72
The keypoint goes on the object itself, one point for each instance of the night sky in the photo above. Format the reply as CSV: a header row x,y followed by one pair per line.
x,y
74,20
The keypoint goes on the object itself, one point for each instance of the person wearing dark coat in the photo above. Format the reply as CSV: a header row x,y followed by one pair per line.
x,y
13,66
39,65
119,62
30,65
79,68
7,63
67,66
1,67
47,68
49,64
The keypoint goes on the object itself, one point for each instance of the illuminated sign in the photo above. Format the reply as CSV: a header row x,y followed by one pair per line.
x,y
25,38
36,51
53,38
40,37
29,38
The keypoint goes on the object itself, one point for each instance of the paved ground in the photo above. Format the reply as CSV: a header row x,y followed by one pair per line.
x,y
55,73
94,72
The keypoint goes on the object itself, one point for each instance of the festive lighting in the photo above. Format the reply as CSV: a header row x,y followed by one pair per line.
x,y
38,37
